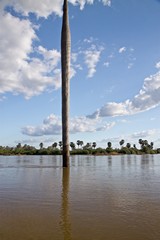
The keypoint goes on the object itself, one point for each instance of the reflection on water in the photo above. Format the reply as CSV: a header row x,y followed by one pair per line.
x,y
65,215
98,198
110,161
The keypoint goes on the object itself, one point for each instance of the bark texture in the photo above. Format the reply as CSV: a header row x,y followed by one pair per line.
x,y
65,65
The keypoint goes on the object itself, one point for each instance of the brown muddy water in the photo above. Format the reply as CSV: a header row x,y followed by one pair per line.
x,y
97,198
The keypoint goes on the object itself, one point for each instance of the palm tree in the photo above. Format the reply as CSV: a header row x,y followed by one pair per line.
x,y
141,142
94,145
134,145
128,145
41,145
54,145
72,145
146,143
151,145
78,143
60,144
87,146
81,143
109,144
19,145
121,142
65,62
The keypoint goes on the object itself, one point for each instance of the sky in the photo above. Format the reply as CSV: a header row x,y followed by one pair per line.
x,y
115,71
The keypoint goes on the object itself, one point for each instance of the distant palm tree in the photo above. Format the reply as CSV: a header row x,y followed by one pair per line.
x,y
128,145
60,144
19,145
72,145
78,143
54,145
151,145
81,143
94,145
65,62
121,142
109,144
41,145
140,141
146,143
87,146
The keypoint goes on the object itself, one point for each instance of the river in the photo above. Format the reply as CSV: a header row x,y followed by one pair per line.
x,y
97,198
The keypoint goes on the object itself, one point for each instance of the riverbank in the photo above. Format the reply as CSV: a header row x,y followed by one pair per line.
x,y
95,152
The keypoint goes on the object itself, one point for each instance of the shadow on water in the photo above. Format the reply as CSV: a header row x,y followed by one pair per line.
x,y
65,222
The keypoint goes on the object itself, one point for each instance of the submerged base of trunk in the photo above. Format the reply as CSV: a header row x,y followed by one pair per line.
x,y
66,156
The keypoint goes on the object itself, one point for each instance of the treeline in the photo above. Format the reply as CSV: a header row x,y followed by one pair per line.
x,y
80,148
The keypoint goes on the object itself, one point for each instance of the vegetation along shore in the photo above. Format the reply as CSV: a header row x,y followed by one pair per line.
x,y
80,148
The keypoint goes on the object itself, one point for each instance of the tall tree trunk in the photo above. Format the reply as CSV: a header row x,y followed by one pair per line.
x,y
65,62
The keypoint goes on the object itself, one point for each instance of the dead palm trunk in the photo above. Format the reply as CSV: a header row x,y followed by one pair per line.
x,y
65,62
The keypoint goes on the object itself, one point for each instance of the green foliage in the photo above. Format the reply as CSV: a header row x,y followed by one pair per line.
x,y
158,150
125,150
80,152
109,150
100,151
89,148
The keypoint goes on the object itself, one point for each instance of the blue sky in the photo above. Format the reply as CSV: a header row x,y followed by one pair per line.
x,y
115,71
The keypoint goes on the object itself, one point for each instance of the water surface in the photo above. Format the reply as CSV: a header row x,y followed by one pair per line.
x,y
97,198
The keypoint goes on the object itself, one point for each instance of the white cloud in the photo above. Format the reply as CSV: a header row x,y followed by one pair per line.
x,y
106,2
122,49
41,8
20,73
106,126
147,98
133,138
36,141
52,57
88,55
143,134
106,64
158,65
44,8
52,126
111,109
92,57
83,2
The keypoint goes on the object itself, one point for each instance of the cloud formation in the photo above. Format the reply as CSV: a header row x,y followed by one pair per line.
x,y
158,65
143,134
52,126
133,138
24,68
147,98
122,49
21,73
41,8
44,8
92,57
